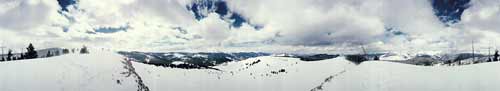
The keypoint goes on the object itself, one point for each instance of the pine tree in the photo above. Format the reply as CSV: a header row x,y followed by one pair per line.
x,y
3,59
84,50
65,51
49,54
31,53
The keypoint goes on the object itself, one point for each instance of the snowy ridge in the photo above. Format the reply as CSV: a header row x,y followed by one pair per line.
x,y
101,70
268,74
71,72
189,60
108,71
387,76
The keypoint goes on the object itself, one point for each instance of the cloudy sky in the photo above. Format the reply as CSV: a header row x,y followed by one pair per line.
x,y
252,25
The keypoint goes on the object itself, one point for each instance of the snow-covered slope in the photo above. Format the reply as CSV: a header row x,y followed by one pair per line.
x,y
387,76
98,71
109,71
268,74
395,56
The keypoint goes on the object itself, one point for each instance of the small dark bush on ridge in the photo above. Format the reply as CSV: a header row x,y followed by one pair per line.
x,y
357,59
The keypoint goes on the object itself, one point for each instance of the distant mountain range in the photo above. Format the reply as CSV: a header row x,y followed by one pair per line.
x,y
189,60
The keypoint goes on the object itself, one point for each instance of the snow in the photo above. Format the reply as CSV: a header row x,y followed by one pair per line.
x,y
394,56
178,62
200,55
71,72
402,56
177,55
387,76
241,76
108,71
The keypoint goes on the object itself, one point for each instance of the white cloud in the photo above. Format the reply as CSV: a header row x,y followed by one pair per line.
x,y
213,29
483,14
24,14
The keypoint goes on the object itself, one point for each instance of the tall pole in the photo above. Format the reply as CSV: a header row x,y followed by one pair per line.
x,y
364,50
2,46
473,56
2,50
21,52
489,54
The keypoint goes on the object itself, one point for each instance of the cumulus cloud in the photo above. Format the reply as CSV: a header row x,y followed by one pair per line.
x,y
483,15
24,14
213,29
319,22
326,22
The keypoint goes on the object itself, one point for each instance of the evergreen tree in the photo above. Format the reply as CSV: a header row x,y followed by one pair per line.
x,y
49,54
65,51
357,59
84,50
495,56
376,58
9,55
3,59
31,53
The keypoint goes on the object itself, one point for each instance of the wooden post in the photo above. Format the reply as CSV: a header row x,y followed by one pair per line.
x,y
473,56
2,50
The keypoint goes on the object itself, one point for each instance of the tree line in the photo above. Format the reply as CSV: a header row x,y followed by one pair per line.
x,y
29,54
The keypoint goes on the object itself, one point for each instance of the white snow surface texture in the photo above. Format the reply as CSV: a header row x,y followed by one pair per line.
x,y
108,71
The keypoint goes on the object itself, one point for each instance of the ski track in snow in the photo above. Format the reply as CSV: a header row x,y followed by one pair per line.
x,y
327,80
131,71
330,78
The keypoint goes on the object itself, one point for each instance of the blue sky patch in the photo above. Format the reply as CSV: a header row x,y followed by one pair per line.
x,y
449,11
216,6
111,29
65,3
